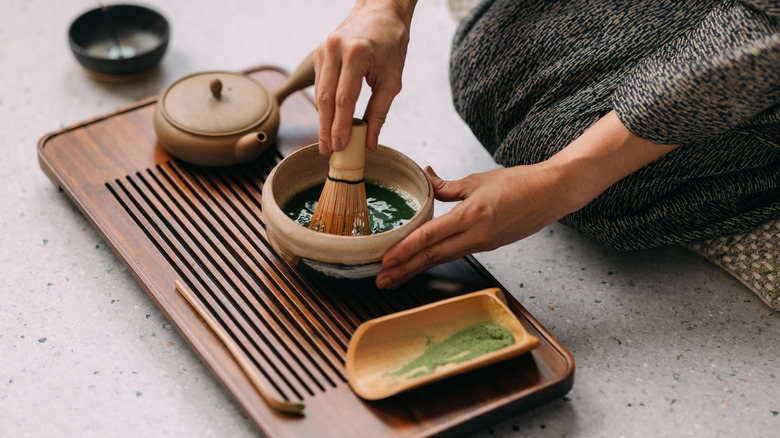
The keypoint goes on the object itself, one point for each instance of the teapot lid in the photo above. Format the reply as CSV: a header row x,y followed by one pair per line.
x,y
215,103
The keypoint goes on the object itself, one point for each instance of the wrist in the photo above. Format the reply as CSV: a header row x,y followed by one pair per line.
x,y
565,182
604,154
402,9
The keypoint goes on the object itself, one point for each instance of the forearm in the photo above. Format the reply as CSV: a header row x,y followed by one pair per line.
x,y
603,155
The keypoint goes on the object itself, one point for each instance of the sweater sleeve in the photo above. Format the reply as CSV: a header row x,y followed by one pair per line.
x,y
722,74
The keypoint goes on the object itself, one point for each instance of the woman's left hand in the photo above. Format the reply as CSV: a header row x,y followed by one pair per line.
x,y
497,207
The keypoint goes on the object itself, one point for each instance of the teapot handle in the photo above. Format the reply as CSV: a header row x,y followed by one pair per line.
x,y
301,78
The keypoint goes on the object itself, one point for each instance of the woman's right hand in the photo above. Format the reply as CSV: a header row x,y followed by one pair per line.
x,y
370,43
509,204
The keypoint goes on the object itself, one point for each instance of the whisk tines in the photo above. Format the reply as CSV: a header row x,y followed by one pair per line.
x,y
342,208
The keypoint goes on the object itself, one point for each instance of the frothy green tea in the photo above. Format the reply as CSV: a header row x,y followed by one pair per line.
x,y
387,208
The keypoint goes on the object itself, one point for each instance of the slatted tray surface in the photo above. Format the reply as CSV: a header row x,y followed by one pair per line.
x,y
167,220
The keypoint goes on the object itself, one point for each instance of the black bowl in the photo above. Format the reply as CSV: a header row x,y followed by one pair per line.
x,y
142,32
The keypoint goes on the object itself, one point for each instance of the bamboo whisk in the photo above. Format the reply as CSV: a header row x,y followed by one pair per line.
x,y
342,208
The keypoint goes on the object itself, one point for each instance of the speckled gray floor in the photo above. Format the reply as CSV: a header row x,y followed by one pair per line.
x,y
665,344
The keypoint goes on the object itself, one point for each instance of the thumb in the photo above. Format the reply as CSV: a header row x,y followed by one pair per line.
x,y
445,191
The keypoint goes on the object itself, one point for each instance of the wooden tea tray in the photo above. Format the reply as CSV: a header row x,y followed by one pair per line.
x,y
167,220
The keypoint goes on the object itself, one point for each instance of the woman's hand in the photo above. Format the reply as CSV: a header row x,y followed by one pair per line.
x,y
496,208
506,205
370,43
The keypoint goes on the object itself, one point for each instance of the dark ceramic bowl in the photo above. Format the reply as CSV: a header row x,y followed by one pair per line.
x,y
142,33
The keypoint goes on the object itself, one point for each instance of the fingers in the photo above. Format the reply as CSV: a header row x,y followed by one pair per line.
x,y
375,115
451,247
378,106
369,44
328,69
465,229
436,241
347,95
340,77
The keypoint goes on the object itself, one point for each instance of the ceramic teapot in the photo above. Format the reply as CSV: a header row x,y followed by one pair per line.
x,y
219,118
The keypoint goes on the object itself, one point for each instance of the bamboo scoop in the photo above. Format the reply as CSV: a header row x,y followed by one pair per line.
x,y
381,347
286,406
342,208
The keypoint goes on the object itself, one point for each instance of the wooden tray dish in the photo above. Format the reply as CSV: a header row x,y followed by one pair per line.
x,y
167,220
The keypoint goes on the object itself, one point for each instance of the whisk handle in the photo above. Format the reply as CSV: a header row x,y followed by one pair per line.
x,y
354,155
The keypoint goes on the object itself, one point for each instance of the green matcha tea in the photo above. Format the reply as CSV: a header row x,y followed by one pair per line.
x,y
387,208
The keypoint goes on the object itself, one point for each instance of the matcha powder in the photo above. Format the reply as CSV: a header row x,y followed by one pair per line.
x,y
464,344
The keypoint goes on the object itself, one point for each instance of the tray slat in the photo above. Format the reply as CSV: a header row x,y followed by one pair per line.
x,y
168,220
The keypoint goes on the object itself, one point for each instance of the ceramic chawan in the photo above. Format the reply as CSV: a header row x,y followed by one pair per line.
x,y
340,256
220,118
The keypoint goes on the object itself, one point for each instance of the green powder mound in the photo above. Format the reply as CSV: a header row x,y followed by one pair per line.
x,y
465,344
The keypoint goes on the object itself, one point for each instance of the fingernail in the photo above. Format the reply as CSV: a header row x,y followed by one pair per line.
x,y
382,282
389,263
375,141
336,144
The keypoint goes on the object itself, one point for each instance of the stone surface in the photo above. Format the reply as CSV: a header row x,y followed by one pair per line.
x,y
665,343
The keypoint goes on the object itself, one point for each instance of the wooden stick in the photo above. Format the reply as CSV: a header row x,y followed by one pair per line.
x,y
286,406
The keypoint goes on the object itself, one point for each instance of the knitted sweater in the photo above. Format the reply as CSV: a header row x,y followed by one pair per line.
x,y
530,76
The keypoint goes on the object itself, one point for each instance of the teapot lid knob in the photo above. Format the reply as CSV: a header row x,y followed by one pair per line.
x,y
216,88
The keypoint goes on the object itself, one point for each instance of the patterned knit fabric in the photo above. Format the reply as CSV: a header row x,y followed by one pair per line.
x,y
530,76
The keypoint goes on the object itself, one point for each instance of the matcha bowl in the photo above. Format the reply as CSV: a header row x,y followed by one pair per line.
x,y
340,256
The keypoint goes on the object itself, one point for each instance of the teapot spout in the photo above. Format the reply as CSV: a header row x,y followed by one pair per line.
x,y
251,145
